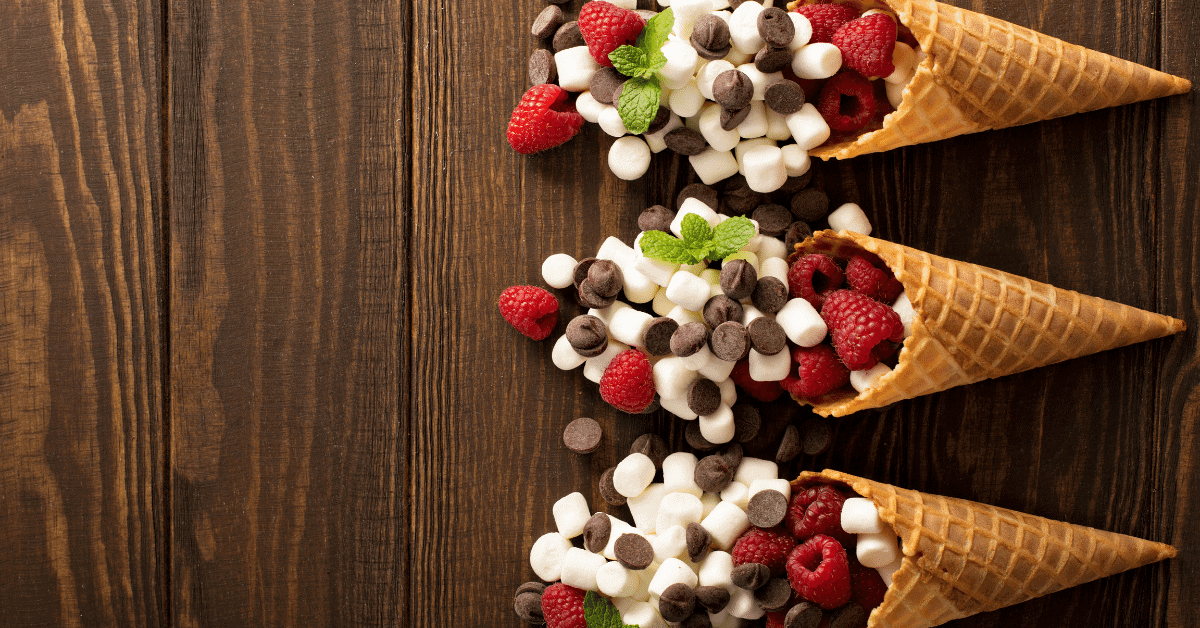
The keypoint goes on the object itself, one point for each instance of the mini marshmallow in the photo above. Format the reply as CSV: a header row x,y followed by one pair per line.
x,y
688,290
580,567
707,74
682,315
742,604
589,107
644,507
903,306
808,127
571,514
744,146
865,380
795,159
717,5
851,218
889,570
717,370
743,28
713,275
679,473
614,580
895,93
724,620
714,165
728,391
777,128
644,615
817,61
634,473
575,68
876,549
628,325
769,368
629,157
744,254
715,569
656,140
638,288
671,571
693,206
616,251
672,541
678,509
617,527
776,267
718,428
661,304
611,122
802,323
605,314
699,359
803,31
686,13
904,58
759,79
686,100
772,248
625,4
753,469
546,556
698,268
593,368
737,57
860,516
737,494
708,501
755,124
678,406
764,169
725,523
564,355
777,484
681,58
710,127
559,270
655,270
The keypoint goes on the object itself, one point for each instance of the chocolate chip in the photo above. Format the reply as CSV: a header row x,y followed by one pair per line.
x,y
688,339
789,445
729,341
774,595
784,97
587,297
733,90
773,220
655,218
713,473
732,453
608,491
595,532
739,199
803,615
769,295
633,551
696,620
746,422
731,119
775,27
581,270
567,36
676,602
695,439
816,435
750,576
606,278
769,60
547,22
710,37
766,336
528,606
766,509
558,1
535,587
616,97
541,66
738,278
653,446
685,141
654,406
720,309
699,542
796,233
849,616
703,193
704,397
660,120
582,435
795,184
587,335
656,339
604,83
713,599
810,205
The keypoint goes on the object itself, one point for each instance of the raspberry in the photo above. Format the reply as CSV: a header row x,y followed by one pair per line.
x,y
813,277
606,27
820,372
768,547
817,511
762,391
826,19
877,283
847,101
532,310
543,120
562,605
866,586
867,44
857,324
628,382
775,619
820,572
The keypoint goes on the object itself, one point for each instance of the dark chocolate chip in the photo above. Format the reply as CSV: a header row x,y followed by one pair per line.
x,y
608,491
528,606
688,339
676,602
770,59
558,1
732,453
536,587
773,220
685,141
588,335
729,341
770,295
810,205
789,445
774,595
747,422
733,90
653,446
766,509
713,599
796,233
695,439
803,615
596,531
738,278
567,36
650,409
795,184
587,297
703,193
713,473
582,435
604,84
581,270
661,118
710,37
738,198
775,27
730,119
849,616
633,551
616,97
816,435
542,68
720,309
704,397
606,278
547,22
784,97
656,218
766,336
699,542
696,620
750,576
657,337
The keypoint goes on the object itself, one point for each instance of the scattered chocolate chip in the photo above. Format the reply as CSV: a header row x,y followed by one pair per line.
x,y
587,297
770,59
795,184
773,220
587,335
656,339
816,435
661,118
810,205
766,336
616,97
775,27
650,409
721,309
547,22
558,1
731,119
567,36
739,199
606,278
581,270
542,68
747,422
796,233
582,435
732,453
676,602
766,509
608,491
774,595
733,90
803,615
750,576
789,445
604,83
656,218
703,193
596,531
685,141
713,599
699,542
653,446
536,587
729,341
713,473
688,339
633,551
695,439
769,295
784,97
849,616
710,37
696,620
528,606
704,397
738,278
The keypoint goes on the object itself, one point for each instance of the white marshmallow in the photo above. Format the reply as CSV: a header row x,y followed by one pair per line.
x,y
865,380
859,516
707,74
671,571
682,315
715,569
851,218
709,501
718,428
773,248
777,484
751,258
724,620
546,556
617,527
717,5
575,68
644,507
713,275
637,287
678,406
717,370
714,165
817,61
642,593
571,514
737,494
904,307
755,124
629,157
777,128
605,314
686,100
699,359
686,13
593,368
876,549
808,127
760,80
628,325
625,4
889,570
633,474
671,541
656,140
611,122
644,615
678,509
769,368
693,205
753,469
739,153
698,268
679,473
661,304
589,107
776,267
564,355
742,604
905,60
681,59
743,28
803,31
802,323
688,290
710,127
737,57
895,93
795,159
559,270
616,251
655,270
764,169
726,523
614,580
580,567
728,391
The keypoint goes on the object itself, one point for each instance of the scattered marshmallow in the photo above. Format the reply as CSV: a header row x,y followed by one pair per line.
x,y
564,355
710,127
755,124
633,474
644,507
611,123
678,406
865,380
606,313
661,304
593,368
777,128
726,523
717,370
679,473
859,516
714,165
904,307
559,270
795,159
739,151
759,79
889,570
699,359
638,287
850,217
688,290
571,514
628,325
546,556
808,128
589,107
817,61
686,13
616,251
707,74
764,169
681,58
614,580
802,323
776,267
686,101
777,484
678,510
876,549
575,68
743,28
682,315
671,571
905,60
694,206
737,494
709,501
629,157
655,270
715,569
769,368
728,391
579,568
718,428
895,93
803,31
625,4
616,529
656,141
644,615
742,603
773,248
671,541
753,469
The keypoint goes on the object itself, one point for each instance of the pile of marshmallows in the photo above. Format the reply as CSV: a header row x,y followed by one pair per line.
x,y
752,147
690,531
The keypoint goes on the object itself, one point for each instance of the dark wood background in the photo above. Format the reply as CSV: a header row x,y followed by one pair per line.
x,y
252,372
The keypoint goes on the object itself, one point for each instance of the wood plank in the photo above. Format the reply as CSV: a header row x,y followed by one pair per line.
x,y
287,485
80,368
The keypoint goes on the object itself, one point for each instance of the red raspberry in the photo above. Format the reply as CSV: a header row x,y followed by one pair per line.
x,y
867,44
877,283
813,277
817,511
768,547
820,572
762,391
606,27
628,382
532,310
847,102
562,605
775,619
857,324
820,372
544,119
826,19
866,586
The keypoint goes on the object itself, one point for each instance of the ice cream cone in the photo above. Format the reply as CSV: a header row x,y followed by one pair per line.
x,y
963,558
974,323
983,73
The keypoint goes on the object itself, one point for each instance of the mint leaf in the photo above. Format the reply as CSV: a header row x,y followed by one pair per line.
x,y
695,231
665,247
653,37
630,61
730,236
598,612
640,99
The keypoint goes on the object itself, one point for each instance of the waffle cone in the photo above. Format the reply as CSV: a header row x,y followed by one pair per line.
x,y
963,558
974,323
983,73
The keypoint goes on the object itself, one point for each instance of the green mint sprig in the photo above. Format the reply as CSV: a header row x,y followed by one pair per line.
x,y
598,612
642,94
699,241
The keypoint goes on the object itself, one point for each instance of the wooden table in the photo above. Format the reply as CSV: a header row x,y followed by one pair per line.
x,y
252,372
